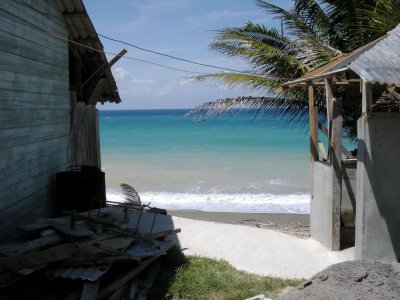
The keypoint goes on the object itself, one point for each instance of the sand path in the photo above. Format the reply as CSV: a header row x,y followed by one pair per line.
x,y
256,250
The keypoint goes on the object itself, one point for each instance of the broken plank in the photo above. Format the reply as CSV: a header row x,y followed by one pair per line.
x,y
117,245
148,282
133,290
90,290
34,228
106,224
63,225
119,293
114,285
7,279
58,253
17,248
161,234
47,232
94,260
13,263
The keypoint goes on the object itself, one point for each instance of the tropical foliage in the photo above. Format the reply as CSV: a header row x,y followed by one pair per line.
x,y
313,32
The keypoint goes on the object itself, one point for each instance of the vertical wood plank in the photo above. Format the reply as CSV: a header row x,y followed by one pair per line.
x,y
313,111
98,139
329,108
91,135
336,161
78,132
366,97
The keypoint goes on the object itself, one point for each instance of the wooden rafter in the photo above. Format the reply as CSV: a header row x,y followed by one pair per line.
x,y
103,68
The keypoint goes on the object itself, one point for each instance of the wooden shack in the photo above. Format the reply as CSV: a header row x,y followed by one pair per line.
x,y
366,185
53,73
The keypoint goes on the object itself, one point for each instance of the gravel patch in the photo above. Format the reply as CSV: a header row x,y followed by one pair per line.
x,y
351,280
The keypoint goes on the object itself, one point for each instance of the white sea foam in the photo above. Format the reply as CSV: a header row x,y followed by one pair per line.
x,y
250,203
279,181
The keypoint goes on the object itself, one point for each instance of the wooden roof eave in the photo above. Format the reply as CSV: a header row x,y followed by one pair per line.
x,y
81,30
313,80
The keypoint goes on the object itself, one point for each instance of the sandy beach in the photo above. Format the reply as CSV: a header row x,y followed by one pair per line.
x,y
255,249
293,224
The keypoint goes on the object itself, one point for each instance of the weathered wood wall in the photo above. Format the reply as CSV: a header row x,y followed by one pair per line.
x,y
34,110
84,141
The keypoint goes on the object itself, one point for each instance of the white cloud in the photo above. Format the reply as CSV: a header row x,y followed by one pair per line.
x,y
141,81
124,76
120,73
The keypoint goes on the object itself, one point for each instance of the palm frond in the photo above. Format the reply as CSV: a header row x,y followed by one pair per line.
x,y
265,50
290,108
130,194
314,39
380,17
247,81
314,16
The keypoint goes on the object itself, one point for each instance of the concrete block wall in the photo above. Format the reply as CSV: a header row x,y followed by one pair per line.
x,y
321,204
378,187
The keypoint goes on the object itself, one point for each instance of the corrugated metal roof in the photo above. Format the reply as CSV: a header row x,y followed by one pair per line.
x,y
344,61
81,30
381,64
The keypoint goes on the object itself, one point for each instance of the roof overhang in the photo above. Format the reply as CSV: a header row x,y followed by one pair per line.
x,y
101,88
346,62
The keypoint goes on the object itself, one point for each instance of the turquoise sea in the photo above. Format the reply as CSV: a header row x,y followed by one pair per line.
x,y
226,163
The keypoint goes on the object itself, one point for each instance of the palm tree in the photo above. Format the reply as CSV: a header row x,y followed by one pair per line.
x,y
315,32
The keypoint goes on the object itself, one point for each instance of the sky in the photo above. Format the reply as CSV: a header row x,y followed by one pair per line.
x,y
182,28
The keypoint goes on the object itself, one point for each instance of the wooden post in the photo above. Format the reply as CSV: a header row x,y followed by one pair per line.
x,y
78,141
98,139
329,107
336,162
366,97
313,110
92,136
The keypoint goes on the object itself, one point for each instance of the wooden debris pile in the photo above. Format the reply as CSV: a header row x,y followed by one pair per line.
x,y
110,253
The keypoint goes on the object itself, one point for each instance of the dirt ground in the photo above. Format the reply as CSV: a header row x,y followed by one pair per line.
x,y
350,280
